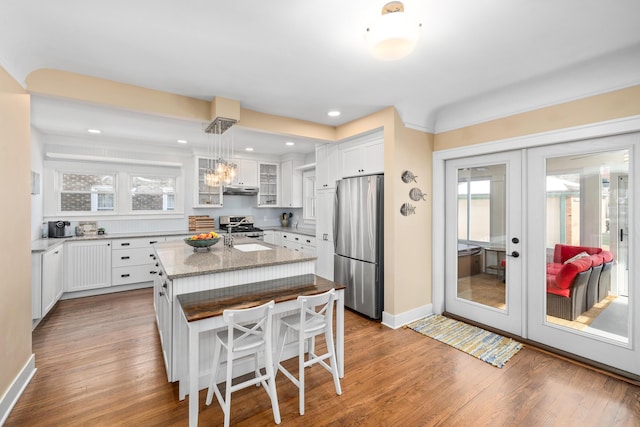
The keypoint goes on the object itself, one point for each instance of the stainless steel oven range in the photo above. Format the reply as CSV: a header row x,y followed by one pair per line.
x,y
240,226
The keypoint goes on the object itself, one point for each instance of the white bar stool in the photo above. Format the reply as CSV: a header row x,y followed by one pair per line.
x,y
248,333
315,318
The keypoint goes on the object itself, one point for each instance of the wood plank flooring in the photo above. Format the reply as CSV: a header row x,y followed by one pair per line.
x,y
99,364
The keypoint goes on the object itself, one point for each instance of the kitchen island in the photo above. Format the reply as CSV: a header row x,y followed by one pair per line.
x,y
181,270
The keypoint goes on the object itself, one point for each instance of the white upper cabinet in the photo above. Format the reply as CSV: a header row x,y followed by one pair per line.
x,y
291,183
205,196
268,176
327,164
363,159
247,173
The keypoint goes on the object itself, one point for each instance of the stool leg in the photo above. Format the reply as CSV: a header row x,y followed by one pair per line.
x,y
271,384
301,341
214,375
227,392
328,336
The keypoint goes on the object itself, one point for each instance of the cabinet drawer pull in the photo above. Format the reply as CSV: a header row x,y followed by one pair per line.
x,y
125,244
164,285
308,241
153,272
296,238
160,273
161,294
124,257
153,241
124,275
152,256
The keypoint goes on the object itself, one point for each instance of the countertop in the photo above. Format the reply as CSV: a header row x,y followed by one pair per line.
x,y
180,260
42,245
209,303
307,231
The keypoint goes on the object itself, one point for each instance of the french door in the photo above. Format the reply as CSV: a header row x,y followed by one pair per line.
x,y
513,220
483,240
584,193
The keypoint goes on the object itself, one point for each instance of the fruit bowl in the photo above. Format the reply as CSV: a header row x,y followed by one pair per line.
x,y
201,243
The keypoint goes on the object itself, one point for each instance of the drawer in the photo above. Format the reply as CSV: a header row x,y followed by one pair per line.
x,y
135,256
138,242
134,274
306,249
297,238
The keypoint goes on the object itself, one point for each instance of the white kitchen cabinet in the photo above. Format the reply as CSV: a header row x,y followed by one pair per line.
x,y
324,233
291,184
247,172
205,196
133,260
298,242
87,265
268,184
327,165
309,196
164,318
52,278
363,159
270,236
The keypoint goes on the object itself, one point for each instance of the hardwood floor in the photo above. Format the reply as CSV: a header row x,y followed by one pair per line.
x,y
99,364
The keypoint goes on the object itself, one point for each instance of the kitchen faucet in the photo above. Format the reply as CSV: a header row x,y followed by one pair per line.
x,y
228,239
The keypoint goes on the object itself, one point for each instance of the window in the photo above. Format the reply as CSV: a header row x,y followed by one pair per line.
x,y
474,210
84,192
152,193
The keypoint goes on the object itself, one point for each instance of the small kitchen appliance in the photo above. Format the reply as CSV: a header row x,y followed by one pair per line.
x,y
240,226
58,228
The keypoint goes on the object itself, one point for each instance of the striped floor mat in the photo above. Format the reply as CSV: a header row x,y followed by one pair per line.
x,y
484,345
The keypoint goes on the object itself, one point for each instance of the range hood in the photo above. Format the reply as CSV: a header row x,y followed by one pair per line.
x,y
239,190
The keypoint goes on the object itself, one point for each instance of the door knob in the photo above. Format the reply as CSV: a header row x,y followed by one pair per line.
x,y
514,254
515,240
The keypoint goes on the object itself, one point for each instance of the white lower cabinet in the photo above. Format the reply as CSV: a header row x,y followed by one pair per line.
x,y
52,278
133,261
47,278
298,242
87,265
164,317
270,236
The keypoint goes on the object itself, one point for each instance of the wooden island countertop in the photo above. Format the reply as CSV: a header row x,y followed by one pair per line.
x,y
209,303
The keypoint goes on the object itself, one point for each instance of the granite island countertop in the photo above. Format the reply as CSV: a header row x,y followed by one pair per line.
x,y
180,260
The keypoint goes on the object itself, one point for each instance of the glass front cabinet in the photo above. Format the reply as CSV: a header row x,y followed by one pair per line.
x,y
268,183
206,196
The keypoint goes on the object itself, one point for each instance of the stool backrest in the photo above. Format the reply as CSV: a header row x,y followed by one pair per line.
x,y
248,325
317,309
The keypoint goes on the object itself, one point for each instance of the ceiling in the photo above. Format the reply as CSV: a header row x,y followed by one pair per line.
x,y
301,59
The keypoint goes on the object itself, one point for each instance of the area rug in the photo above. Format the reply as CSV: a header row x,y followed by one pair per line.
x,y
484,345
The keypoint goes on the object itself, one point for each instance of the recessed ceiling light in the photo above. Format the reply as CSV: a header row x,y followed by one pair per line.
x,y
248,149
94,130
182,141
334,113
290,143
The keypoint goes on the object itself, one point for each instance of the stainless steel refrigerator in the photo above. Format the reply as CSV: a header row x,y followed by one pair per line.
x,y
358,236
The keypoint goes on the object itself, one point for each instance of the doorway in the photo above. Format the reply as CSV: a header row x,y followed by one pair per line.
x,y
568,282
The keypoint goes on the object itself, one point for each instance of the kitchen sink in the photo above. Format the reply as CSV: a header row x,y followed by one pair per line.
x,y
251,247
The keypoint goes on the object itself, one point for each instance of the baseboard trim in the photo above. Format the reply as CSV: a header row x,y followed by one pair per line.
x,y
16,389
395,321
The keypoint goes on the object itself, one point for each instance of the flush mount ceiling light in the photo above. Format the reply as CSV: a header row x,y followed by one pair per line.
x,y
290,143
182,141
394,34
334,113
96,131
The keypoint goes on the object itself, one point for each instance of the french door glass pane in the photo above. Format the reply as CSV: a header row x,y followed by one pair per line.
x,y
481,235
587,243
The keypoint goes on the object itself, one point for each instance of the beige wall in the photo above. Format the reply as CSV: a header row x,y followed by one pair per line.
x,y
598,108
15,255
407,249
